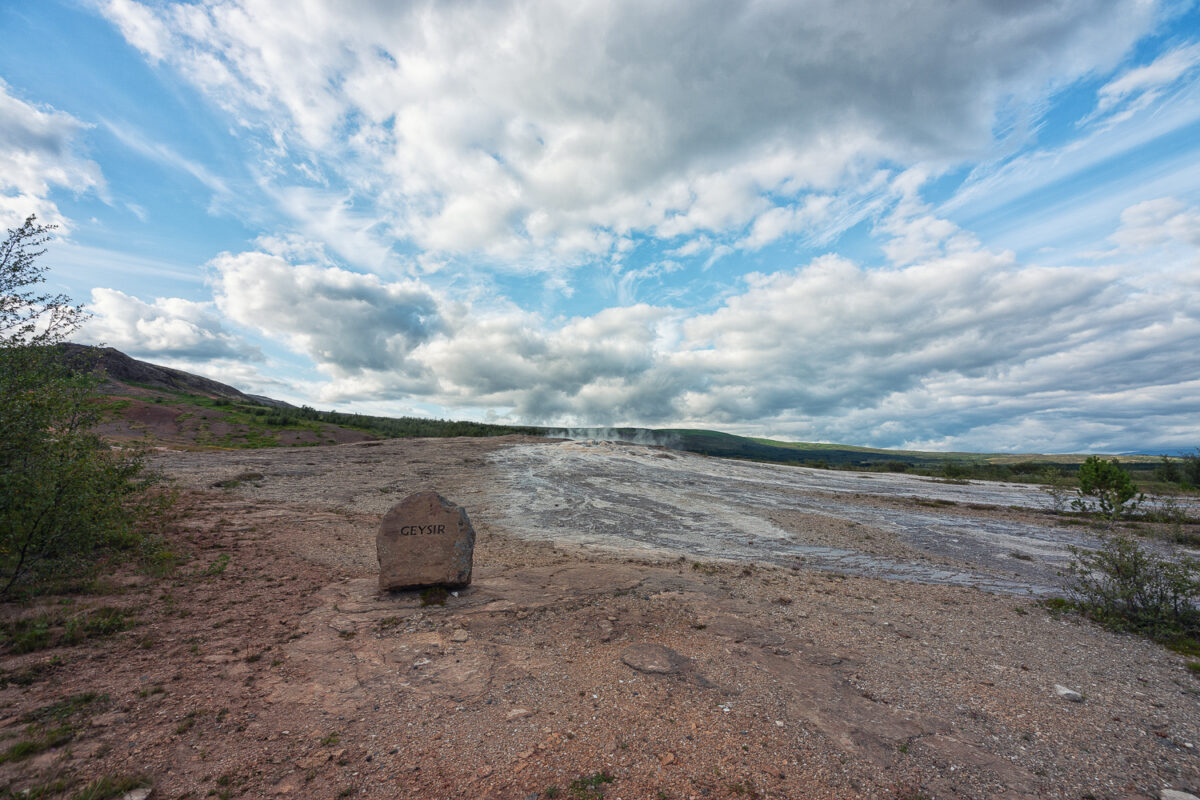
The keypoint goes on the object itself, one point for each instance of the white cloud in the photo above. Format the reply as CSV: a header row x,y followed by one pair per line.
x,y
1141,86
542,134
156,151
965,347
167,328
345,321
962,348
38,152
1154,223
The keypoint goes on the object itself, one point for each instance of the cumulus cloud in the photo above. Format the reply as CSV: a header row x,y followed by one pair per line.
x,y
167,328
1158,222
963,348
38,151
345,321
546,133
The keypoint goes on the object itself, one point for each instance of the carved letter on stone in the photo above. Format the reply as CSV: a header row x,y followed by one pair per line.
x,y
425,540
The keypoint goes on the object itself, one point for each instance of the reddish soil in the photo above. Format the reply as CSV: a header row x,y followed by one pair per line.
x,y
269,665
146,422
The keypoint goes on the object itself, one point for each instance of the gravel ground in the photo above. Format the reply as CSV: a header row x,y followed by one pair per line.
x,y
269,665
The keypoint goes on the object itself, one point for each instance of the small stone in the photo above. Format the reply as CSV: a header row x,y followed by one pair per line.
x,y
425,540
460,635
313,760
666,758
136,794
1175,794
1067,694
518,713
653,658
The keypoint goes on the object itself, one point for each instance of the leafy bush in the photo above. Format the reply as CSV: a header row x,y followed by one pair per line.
x,y
1108,485
1190,470
1127,587
65,496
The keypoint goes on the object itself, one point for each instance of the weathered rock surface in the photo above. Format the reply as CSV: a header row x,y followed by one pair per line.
x,y
425,540
654,658
1069,695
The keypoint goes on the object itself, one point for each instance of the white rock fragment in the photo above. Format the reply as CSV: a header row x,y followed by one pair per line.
x,y
1067,694
1175,794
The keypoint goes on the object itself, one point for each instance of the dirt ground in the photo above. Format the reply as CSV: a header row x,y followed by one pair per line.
x,y
269,665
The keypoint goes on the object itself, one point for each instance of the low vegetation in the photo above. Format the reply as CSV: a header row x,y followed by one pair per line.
x,y
66,497
1125,586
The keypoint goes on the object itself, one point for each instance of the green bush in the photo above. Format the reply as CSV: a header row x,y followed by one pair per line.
x,y
1106,485
1127,587
65,496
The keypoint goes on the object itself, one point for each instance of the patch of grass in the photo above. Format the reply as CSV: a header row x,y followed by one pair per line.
x,y
217,567
331,739
51,726
1058,605
32,744
434,596
188,722
744,789
41,791
65,709
590,787
30,674
55,628
104,621
111,786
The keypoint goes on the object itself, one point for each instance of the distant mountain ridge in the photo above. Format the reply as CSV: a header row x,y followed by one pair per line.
x,y
116,366
119,369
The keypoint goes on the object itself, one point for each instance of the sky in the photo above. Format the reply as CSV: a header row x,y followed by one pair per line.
x,y
947,226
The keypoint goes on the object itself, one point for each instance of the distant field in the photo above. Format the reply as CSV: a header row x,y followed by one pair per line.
x,y
952,465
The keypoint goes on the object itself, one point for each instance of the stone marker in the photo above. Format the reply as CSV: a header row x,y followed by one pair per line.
x,y
425,540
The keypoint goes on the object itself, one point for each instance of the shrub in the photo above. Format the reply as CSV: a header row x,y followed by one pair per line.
x,y
1168,471
65,496
1108,485
1127,587
1190,469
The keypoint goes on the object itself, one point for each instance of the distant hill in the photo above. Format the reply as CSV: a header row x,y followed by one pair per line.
x,y
162,406
996,466
118,369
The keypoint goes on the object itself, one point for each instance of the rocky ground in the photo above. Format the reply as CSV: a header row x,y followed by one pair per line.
x,y
267,664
